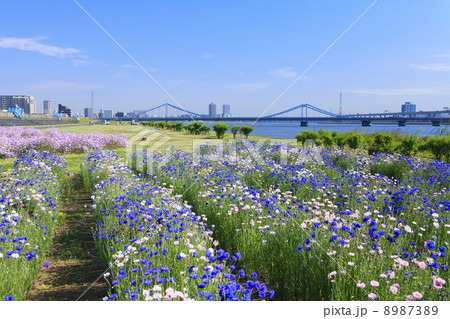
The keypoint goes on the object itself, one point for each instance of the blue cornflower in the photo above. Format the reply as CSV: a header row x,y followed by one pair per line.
x,y
307,241
242,273
254,275
46,265
114,282
299,248
271,294
133,296
9,298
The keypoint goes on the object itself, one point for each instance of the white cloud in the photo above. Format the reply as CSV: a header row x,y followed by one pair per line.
x,y
283,73
404,91
62,85
207,56
79,62
432,67
34,45
128,66
250,87
116,76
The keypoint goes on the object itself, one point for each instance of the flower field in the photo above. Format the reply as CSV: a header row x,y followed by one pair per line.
x,y
156,247
249,222
17,141
330,226
29,199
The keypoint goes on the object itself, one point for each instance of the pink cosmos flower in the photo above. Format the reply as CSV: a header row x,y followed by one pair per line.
x,y
417,295
361,285
393,290
421,265
374,283
372,296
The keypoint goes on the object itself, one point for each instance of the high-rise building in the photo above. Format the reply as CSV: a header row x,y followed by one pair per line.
x,y
212,110
62,109
26,102
108,114
408,107
226,110
47,107
89,112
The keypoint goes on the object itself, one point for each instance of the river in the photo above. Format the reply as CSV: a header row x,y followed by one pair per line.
x,y
289,130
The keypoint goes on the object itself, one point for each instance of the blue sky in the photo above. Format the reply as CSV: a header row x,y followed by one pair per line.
x,y
242,53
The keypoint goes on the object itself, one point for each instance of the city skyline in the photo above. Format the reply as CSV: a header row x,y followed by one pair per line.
x,y
394,54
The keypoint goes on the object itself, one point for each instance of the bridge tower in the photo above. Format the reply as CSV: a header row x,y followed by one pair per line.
x,y
340,104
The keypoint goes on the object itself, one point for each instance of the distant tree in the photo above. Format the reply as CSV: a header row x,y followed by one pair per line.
x,y
220,129
246,130
179,126
195,127
235,130
205,130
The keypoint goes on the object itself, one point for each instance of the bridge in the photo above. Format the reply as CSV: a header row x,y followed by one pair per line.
x,y
298,114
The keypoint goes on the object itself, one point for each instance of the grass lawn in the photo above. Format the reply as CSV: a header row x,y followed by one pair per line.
x,y
165,139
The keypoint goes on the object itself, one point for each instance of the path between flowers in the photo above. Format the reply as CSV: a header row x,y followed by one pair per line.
x,y
74,263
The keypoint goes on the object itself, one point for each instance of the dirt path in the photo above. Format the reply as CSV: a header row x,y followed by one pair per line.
x,y
73,258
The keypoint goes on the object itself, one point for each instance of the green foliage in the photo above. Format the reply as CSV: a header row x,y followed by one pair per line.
x,y
205,130
195,128
307,135
394,170
409,145
340,139
235,130
382,143
246,130
439,147
355,140
328,140
220,129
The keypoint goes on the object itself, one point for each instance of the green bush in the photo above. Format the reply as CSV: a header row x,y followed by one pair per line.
x,y
340,139
327,140
355,140
246,130
382,143
220,129
307,135
409,145
439,147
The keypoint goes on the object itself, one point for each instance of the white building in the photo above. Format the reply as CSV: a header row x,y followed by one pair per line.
x,y
47,107
26,102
